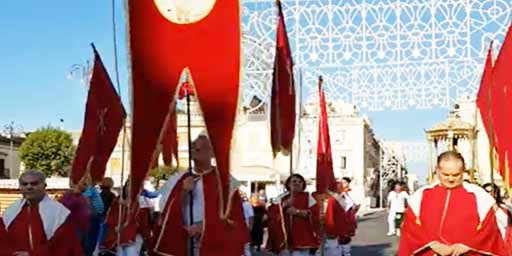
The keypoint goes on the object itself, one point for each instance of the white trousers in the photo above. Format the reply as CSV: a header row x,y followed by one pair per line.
x,y
345,249
332,247
247,249
132,249
391,222
295,253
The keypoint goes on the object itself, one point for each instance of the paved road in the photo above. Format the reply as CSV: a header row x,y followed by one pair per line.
x,y
371,239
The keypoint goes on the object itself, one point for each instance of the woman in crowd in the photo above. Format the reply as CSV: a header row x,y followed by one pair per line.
x,y
299,212
80,210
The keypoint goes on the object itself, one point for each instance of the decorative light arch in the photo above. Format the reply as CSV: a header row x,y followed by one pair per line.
x,y
377,54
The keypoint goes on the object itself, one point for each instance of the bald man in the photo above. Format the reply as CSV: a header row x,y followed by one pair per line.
x,y
38,225
450,217
203,186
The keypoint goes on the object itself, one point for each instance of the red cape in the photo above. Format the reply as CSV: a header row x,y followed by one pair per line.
x,y
337,222
129,225
222,235
450,216
64,241
6,250
294,232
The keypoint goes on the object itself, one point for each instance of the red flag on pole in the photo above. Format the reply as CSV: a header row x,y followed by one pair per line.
x,y
104,117
501,104
325,180
168,141
165,40
282,113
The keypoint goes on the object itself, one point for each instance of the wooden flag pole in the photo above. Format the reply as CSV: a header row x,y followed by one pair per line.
x,y
191,201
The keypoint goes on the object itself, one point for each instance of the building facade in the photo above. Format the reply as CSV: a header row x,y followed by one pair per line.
x,y
10,163
355,150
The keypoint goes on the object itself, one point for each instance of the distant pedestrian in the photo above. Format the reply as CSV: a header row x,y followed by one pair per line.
x,y
106,194
96,220
397,201
249,219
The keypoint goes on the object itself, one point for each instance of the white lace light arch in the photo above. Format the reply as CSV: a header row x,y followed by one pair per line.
x,y
377,54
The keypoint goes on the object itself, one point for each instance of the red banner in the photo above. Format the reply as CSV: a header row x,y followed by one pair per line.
x,y
165,40
501,102
483,100
324,170
104,117
282,113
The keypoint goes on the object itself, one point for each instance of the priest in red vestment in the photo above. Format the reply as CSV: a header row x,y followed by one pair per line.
x,y
178,229
451,217
299,234
38,225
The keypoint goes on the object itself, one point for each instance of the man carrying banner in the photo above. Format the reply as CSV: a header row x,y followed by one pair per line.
x,y
38,225
172,238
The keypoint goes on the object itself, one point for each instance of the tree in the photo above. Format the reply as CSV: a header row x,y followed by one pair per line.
x,y
49,150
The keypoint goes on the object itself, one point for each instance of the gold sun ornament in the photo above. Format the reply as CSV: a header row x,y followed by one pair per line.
x,y
184,11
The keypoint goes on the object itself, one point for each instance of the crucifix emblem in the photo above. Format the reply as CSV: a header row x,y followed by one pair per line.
x,y
101,120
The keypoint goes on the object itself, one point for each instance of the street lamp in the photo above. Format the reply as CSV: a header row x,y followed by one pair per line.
x,y
82,72
12,130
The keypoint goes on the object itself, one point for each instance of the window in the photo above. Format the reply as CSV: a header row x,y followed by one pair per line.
x,y
3,171
343,162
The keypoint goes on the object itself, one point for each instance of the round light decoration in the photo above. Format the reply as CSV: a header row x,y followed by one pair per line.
x,y
184,11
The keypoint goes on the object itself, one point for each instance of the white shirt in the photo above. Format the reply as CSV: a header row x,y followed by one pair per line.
x,y
197,194
349,200
397,201
197,202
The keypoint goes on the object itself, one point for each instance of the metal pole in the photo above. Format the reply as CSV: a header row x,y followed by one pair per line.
x,y
381,151
191,202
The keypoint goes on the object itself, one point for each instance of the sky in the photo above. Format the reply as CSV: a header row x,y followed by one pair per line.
x,y
41,40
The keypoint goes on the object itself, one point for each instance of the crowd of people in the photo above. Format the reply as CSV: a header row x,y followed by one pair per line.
x,y
450,217
87,220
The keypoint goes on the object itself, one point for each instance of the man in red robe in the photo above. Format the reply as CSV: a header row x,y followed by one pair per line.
x,y
38,225
450,217
297,216
6,251
177,229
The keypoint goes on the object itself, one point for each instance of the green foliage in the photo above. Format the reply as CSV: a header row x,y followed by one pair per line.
x,y
162,173
49,150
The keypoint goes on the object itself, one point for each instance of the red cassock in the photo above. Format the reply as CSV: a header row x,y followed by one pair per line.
x,y
222,234
134,221
296,232
4,246
460,215
27,231
336,219
504,217
276,235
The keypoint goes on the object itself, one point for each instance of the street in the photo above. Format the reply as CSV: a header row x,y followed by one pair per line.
x,y
371,239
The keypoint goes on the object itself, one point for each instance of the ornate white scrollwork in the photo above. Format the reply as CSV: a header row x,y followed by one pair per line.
x,y
377,54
